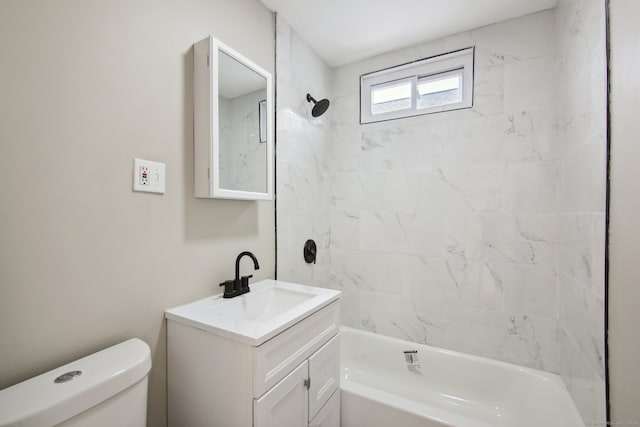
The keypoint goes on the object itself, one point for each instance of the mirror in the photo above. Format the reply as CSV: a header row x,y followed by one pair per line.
x,y
242,154
233,124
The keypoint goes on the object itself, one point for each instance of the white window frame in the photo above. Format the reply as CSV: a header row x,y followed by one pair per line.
x,y
460,59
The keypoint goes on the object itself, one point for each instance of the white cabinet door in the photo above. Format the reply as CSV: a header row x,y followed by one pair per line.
x,y
324,371
286,404
329,414
274,359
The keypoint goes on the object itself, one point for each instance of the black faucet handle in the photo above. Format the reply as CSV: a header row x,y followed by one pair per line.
x,y
244,280
228,288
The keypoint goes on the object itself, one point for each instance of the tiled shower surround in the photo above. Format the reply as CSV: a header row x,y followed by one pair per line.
x,y
478,230
581,116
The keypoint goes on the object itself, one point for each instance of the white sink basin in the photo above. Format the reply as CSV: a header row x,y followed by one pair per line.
x,y
252,318
263,303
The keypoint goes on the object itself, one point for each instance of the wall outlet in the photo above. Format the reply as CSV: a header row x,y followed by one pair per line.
x,y
148,176
144,175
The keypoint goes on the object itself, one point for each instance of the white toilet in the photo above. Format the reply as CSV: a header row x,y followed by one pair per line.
x,y
107,388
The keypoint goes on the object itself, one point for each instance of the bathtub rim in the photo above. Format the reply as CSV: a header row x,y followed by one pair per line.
x,y
547,377
403,404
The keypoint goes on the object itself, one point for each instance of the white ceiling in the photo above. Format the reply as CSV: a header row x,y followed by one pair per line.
x,y
343,31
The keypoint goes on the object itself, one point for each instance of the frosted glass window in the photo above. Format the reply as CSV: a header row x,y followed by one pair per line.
x,y
439,89
391,97
430,85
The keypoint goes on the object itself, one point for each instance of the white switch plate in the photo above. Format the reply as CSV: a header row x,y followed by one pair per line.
x,y
148,176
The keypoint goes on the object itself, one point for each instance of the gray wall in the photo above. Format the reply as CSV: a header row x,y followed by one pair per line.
x,y
624,231
85,87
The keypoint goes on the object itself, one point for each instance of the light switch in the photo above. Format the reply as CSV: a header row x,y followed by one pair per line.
x,y
148,176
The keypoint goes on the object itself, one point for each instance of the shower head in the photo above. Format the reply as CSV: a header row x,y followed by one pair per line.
x,y
319,107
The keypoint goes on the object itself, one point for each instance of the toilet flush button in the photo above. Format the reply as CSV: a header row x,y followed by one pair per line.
x,y
67,377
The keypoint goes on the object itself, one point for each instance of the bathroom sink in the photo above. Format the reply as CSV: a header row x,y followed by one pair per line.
x,y
253,318
263,304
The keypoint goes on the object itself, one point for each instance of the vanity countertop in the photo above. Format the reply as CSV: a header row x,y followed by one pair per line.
x,y
255,317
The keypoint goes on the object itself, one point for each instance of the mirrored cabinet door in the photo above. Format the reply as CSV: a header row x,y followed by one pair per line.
x,y
233,124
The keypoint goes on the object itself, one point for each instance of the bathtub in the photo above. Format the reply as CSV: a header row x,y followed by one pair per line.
x,y
391,382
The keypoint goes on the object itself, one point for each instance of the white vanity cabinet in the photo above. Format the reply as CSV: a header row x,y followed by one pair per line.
x,y
291,379
297,399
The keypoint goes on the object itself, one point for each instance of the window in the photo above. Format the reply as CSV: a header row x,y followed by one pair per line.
x,y
439,83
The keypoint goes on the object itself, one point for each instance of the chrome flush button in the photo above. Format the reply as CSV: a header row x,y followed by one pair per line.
x,y
67,377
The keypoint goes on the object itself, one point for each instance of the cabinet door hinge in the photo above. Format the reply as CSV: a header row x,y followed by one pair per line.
x,y
208,59
307,383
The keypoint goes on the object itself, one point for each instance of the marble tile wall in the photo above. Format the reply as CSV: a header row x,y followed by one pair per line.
x,y
581,58
302,156
444,228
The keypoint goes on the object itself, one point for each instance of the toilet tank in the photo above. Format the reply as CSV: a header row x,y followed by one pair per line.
x,y
107,388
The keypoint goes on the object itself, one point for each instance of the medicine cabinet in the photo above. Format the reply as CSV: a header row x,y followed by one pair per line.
x,y
233,124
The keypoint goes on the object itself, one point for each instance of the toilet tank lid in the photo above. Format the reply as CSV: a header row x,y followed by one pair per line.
x,y
42,401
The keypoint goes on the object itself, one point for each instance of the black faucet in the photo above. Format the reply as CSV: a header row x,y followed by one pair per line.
x,y
239,285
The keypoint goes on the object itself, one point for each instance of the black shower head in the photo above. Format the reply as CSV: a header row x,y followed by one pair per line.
x,y
319,106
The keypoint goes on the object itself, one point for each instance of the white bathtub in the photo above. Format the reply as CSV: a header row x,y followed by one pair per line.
x,y
380,388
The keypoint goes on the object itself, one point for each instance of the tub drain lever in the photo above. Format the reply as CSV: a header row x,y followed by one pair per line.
x,y
409,356
413,363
